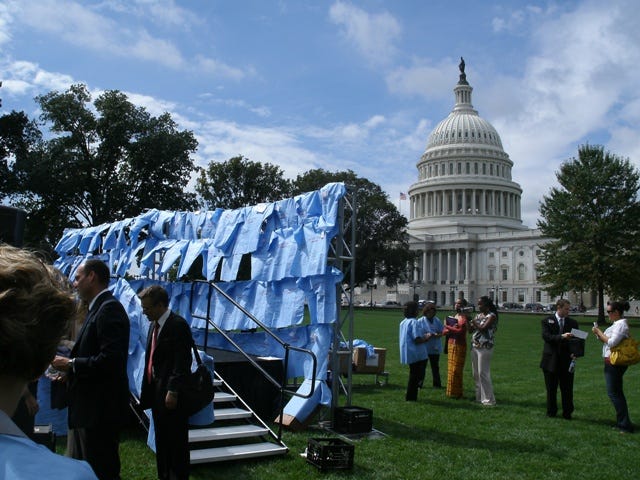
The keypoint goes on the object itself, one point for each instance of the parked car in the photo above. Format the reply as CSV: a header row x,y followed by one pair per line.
x,y
391,304
512,306
534,307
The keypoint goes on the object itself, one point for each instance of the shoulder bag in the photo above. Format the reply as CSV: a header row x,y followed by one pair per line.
x,y
197,391
625,353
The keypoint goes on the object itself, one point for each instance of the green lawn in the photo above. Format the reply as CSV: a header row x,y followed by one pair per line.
x,y
438,437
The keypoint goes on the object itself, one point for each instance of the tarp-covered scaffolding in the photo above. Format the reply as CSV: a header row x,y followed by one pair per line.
x,y
271,258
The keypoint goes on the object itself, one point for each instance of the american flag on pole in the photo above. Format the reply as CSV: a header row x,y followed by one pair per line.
x,y
403,196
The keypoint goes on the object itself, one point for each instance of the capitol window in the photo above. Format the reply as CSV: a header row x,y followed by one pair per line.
x,y
521,271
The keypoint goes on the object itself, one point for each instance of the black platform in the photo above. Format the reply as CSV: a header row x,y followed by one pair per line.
x,y
248,382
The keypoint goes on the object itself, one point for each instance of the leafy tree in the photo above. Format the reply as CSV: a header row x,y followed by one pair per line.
x,y
101,165
593,222
19,137
382,248
239,182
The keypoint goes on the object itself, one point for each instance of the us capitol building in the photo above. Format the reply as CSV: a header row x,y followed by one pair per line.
x,y
465,216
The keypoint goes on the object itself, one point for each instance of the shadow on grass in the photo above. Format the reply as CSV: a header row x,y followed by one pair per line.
x,y
457,440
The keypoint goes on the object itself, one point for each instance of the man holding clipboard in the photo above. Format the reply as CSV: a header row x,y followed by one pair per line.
x,y
558,358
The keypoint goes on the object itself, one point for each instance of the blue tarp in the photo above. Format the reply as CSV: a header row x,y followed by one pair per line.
x,y
288,243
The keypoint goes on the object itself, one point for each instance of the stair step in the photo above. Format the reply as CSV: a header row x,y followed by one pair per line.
x,y
236,452
231,413
222,433
224,397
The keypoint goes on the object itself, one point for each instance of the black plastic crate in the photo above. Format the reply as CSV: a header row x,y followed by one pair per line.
x,y
330,454
353,420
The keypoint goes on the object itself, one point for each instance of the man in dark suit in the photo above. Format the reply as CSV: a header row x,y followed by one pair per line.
x,y
167,365
98,387
557,357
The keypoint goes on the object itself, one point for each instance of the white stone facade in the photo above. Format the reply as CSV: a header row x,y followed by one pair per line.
x,y
465,216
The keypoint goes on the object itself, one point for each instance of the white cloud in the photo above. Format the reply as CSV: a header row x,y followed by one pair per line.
x,y
5,21
221,140
27,78
517,21
166,13
581,72
217,68
374,121
373,35
422,79
85,27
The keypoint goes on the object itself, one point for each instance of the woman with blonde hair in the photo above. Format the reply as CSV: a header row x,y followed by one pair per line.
x,y
35,310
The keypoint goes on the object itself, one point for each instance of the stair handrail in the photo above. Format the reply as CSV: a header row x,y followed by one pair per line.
x,y
281,386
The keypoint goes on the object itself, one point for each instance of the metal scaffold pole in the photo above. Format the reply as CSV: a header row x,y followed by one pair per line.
x,y
344,260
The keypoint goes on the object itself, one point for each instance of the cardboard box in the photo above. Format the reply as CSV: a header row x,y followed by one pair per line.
x,y
371,364
290,422
330,454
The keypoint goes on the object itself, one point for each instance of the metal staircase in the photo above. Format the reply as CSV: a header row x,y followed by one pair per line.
x,y
237,433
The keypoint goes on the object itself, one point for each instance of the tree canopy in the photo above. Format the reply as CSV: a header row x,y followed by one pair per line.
x,y
593,222
239,182
108,159
102,163
18,137
382,248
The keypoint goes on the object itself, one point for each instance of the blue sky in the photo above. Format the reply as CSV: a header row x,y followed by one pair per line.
x,y
345,84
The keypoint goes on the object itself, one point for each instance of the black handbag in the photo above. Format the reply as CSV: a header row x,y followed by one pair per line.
x,y
197,391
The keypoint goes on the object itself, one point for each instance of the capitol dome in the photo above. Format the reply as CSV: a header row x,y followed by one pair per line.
x,y
464,175
465,226
464,126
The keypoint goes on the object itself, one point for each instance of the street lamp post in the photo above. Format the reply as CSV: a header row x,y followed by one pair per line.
x,y
414,284
371,286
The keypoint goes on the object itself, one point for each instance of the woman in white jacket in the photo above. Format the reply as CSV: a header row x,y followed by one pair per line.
x,y
612,336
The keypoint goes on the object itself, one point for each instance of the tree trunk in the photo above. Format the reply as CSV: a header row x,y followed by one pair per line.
x,y
601,318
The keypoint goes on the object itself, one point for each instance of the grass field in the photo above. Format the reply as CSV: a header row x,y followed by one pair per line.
x,y
438,437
